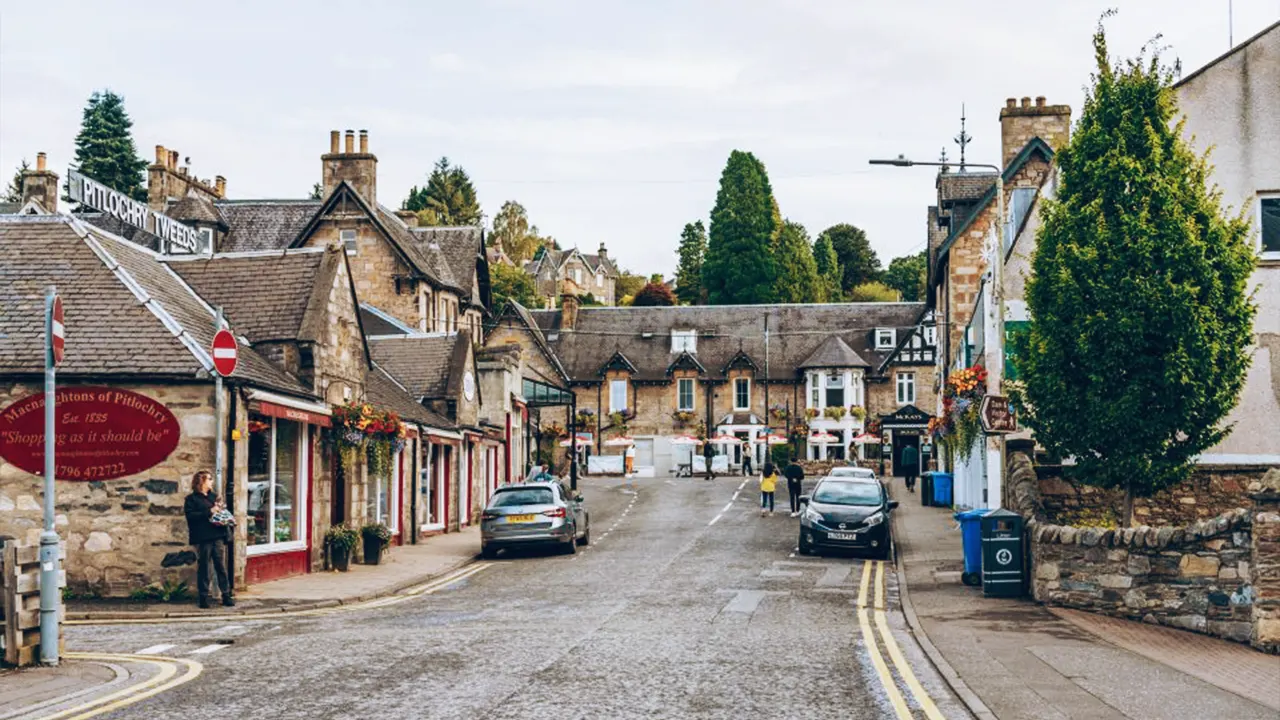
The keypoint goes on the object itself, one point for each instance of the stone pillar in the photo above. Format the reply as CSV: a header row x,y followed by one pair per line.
x,y
1264,565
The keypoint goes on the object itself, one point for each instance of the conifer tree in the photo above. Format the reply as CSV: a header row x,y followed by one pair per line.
x,y
739,267
798,280
449,198
13,193
104,146
693,249
828,266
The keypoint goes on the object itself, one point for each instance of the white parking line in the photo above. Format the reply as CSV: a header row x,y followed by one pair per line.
x,y
208,649
715,519
154,649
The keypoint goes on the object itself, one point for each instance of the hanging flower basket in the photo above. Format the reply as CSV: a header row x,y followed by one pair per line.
x,y
778,412
811,413
961,425
359,427
585,418
683,417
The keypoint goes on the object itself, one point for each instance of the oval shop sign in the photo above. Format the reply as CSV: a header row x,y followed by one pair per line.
x,y
102,433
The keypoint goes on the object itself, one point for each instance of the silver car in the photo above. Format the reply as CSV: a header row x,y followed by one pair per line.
x,y
534,513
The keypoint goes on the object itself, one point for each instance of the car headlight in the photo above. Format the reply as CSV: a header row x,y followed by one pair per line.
x,y
874,519
812,515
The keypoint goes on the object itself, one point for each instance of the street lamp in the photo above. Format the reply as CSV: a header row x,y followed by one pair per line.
x,y
994,325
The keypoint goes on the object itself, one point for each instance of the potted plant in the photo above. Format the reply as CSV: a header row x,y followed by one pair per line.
x,y
683,417
833,412
858,412
376,537
585,419
779,412
341,539
811,413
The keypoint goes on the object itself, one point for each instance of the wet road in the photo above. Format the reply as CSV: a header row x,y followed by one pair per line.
x,y
688,604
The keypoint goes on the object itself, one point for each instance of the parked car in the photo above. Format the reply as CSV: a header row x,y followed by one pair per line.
x,y
852,472
534,513
846,513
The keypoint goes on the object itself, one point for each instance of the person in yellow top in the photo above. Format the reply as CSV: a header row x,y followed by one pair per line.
x,y
768,481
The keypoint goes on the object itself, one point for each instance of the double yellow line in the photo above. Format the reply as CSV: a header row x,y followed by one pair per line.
x,y
166,678
895,652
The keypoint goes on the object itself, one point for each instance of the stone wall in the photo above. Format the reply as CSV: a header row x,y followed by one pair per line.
x,y
1210,491
1265,564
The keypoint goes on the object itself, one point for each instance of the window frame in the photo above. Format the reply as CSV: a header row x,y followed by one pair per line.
x,y
615,383
206,239
300,494
905,381
737,388
815,391
1263,252
893,338
684,340
841,386
351,245
681,384
393,499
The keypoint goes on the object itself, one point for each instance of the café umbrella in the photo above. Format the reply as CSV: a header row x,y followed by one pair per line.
x,y
685,440
822,437
865,438
583,440
725,440
619,442
771,439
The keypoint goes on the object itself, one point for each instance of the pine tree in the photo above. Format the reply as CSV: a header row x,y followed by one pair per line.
x,y
1141,319
858,262
798,280
693,248
13,193
448,199
105,149
828,266
739,267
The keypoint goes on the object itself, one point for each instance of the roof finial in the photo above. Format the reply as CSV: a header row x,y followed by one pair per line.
x,y
942,158
963,138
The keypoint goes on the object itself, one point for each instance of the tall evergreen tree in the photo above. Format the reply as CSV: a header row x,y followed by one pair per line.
x,y
693,248
828,266
13,193
906,274
858,262
798,280
105,149
1141,319
739,267
449,198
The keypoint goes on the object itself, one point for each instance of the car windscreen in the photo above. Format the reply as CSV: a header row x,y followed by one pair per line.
x,y
847,493
522,496
852,472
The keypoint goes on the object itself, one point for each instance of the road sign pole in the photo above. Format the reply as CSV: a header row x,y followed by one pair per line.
x,y
220,451
49,537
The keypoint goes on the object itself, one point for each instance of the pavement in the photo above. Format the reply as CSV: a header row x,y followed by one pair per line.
x,y
1013,658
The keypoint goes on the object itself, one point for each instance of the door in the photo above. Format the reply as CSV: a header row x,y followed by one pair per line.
x,y
644,452
901,442
338,498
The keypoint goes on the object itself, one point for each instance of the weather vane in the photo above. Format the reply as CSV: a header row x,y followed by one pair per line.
x,y
963,138
942,158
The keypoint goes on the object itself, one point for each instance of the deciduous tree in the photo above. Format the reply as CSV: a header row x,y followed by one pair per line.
x,y
906,274
874,291
513,233
858,262
739,267
798,280
449,198
508,282
824,257
105,149
654,294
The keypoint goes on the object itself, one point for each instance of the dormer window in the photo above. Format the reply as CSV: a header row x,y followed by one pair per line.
x,y
684,341
206,240
348,238
886,338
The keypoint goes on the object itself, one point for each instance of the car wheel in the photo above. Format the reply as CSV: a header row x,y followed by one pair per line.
x,y
585,540
805,548
571,547
488,553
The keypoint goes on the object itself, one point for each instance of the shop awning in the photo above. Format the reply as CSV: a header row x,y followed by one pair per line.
x,y
288,408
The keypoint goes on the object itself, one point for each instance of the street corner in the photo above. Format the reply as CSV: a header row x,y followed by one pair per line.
x,y
86,685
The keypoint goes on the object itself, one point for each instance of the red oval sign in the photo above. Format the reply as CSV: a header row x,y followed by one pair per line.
x,y
102,433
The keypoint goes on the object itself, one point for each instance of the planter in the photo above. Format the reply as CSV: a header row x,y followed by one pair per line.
x,y
340,557
373,548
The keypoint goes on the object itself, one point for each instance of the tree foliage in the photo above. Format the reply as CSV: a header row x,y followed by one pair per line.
x,y
798,280
508,282
874,291
828,266
13,193
739,267
513,233
906,274
858,262
448,199
1140,314
654,294
105,149
628,284
693,249
317,192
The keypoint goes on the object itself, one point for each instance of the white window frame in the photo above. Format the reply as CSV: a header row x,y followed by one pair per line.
x,y
433,475
206,239
815,391
833,381
300,496
393,502
905,383
930,335
613,385
886,338
349,241
681,384
1266,254
599,279
464,488
736,404
684,340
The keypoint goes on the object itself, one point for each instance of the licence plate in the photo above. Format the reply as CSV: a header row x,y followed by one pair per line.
x,y
841,536
521,518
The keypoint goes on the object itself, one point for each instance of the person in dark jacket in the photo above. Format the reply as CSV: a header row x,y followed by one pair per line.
x,y
209,538
795,484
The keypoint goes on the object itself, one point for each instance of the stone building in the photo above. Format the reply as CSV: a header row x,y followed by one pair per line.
x,y
571,272
653,373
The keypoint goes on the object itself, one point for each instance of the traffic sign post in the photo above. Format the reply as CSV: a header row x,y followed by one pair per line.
x,y
54,335
225,350
226,355
997,415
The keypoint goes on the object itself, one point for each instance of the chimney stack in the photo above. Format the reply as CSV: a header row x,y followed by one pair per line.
x,y
409,217
1019,123
161,155
173,160
569,311
350,142
333,142
41,184
604,252
220,185
359,169
364,142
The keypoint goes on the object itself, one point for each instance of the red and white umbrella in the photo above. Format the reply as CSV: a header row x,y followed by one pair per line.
x,y
822,437
584,439
771,439
725,440
685,440
865,438
619,442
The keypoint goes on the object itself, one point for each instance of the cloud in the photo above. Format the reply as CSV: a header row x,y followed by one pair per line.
x,y
445,62
598,70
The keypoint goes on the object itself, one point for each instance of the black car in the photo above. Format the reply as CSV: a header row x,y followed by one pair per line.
x,y
846,513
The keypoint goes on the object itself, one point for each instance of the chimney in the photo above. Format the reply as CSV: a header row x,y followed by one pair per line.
x,y
569,311
1019,123
220,186
604,252
359,169
409,217
161,154
41,184
173,160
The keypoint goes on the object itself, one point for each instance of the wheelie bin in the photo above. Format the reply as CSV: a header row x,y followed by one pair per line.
x,y
971,538
942,489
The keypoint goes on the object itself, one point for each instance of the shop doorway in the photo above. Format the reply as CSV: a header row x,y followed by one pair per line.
x,y
900,443
338,498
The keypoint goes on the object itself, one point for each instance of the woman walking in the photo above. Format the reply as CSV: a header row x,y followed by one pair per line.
x,y
768,482
207,531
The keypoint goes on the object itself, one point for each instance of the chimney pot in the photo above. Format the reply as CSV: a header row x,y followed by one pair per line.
x,y
1040,101
173,160
350,142
569,314
220,184
40,162
161,154
333,141
1011,103
364,142
1026,102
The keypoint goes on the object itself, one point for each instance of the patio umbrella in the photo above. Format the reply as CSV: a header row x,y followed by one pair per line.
x,y
619,442
865,438
584,439
685,440
771,439
725,440
822,437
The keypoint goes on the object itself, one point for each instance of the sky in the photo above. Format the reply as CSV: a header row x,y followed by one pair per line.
x,y
609,120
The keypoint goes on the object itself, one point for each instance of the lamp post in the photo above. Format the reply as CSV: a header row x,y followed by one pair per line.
x,y
993,327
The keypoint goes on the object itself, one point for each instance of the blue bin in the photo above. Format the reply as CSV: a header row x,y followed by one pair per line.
x,y
971,538
942,482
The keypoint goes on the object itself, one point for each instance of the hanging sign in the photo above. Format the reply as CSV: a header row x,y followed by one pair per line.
x,y
997,415
102,433
131,212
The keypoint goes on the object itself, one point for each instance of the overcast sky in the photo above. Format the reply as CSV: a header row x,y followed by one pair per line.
x,y
609,121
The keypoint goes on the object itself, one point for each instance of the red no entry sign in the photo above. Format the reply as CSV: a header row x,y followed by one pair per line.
x,y
225,352
57,331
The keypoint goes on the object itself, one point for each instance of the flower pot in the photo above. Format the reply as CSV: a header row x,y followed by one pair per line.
x,y
340,556
373,551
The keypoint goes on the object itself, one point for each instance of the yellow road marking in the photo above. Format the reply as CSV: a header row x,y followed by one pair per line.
x,y
164,680
880,585
866,582
886,680
895,654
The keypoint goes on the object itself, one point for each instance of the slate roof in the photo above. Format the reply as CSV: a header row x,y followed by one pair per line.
x,y
196,208
558,258
833,353
421,364
109,330
8,208
266,296
461,249
377,323
796,333
964,187
263,224
386,393
427,260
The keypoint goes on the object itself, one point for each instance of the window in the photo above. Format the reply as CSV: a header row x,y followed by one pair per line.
x,y
599,279
348,240
206,240
576,274
742,394
1269,224
277,494
1019,205
930,335
815,391
684,341
886,338
384,491
906,388
684,394
835,390
617,396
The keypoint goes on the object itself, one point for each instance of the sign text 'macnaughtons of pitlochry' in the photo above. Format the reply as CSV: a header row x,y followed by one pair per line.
x,y
87,191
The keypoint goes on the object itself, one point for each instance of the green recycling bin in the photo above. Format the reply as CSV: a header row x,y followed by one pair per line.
x,y
1003,554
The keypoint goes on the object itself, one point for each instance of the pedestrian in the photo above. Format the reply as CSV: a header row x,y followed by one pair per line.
x,y
910,466
768,482
208,525
709,453
795,484
630,459
746,463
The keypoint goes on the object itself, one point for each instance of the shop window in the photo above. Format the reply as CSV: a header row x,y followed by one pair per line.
x,y
906,388
684,394
384,492
742,394
277,488
617,396
835,390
